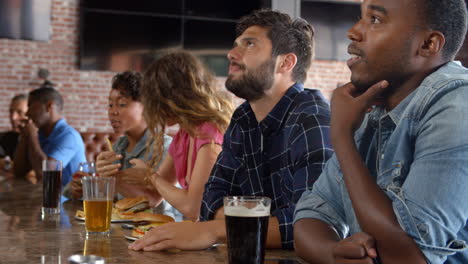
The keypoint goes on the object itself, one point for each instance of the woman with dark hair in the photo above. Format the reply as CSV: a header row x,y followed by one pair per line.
x,y
125,111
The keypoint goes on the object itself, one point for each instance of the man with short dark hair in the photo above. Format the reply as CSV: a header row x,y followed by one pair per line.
x,y
48,136
396,190
277,141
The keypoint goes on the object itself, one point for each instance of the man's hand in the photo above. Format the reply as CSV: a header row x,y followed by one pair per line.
x,y
184,236
76,188
29,129
359,248
31,177
348,106
104,163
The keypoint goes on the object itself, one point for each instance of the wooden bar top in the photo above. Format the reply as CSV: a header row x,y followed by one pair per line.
x,y
27,237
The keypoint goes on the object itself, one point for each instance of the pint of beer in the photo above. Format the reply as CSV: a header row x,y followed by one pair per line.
x,y
99,212
98,194
246,227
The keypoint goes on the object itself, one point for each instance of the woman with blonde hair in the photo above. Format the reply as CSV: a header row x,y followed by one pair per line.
x,y
178,89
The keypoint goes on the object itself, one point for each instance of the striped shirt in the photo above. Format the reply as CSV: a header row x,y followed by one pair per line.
x,y
279,157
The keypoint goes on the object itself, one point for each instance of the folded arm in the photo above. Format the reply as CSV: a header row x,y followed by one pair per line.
x,y
29,154
21,164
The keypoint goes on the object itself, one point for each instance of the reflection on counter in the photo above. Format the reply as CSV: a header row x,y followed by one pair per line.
x,y
29,237
97,245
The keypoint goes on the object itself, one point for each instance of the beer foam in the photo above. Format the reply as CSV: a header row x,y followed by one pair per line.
x,y
257,211
97,200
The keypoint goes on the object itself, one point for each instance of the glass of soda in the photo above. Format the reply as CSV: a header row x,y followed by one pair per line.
x,y
246,227
52,186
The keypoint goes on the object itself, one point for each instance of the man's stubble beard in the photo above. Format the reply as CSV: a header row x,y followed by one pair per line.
x,y
392,72
253,84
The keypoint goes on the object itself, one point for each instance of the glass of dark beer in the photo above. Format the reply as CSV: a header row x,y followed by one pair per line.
x,y
246,227
52,186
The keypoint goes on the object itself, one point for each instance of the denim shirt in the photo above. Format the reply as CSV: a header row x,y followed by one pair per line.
x,y
139,151
418,154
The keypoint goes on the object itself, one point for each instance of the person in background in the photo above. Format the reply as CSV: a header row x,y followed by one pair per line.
x,y
18,119
179,90
396,190
277,141
9,139
47,135
125,112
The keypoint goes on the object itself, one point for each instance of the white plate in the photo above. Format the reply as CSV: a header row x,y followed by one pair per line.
x,y
131,237
112,220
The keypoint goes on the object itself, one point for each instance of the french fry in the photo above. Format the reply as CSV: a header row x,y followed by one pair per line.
x,y
109,144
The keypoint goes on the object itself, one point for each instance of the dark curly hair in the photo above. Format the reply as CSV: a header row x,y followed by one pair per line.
x,y
128,83
448,17
286,35
45,95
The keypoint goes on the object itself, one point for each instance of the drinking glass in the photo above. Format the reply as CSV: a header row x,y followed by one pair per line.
x,y
85,169
246,227
52,186
98,194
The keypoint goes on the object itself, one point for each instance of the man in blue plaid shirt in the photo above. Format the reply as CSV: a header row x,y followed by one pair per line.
x,y
277,142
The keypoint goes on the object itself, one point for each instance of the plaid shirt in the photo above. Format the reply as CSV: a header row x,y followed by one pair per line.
x,y
279,157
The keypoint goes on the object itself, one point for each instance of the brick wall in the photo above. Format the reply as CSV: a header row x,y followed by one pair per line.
x,y
85,92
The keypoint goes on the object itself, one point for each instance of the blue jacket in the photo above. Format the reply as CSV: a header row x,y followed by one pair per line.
x,y
418,154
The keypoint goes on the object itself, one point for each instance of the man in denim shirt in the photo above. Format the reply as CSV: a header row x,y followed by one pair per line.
x,y
396,191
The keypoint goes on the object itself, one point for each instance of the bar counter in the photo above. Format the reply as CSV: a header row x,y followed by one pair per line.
x,y
27,237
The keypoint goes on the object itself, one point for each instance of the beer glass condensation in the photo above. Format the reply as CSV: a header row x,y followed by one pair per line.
x,y
98,194
246,227
52,186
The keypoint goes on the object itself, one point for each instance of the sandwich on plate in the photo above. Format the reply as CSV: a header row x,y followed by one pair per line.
x,y
126,208
144,221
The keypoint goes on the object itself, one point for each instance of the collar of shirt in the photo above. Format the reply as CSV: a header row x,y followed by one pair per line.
x,y
394,117
139,147
61,123
275,118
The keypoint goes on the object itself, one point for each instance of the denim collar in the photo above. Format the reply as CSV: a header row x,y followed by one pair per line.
x,y
139,147
396,114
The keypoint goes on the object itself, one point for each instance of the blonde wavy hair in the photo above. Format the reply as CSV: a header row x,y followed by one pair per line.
x,y
178,87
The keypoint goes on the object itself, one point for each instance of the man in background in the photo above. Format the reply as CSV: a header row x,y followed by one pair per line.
x,y
9,139
48,136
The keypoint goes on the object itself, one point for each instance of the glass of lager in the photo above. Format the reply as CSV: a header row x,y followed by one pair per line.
x,y
98,194
246,228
